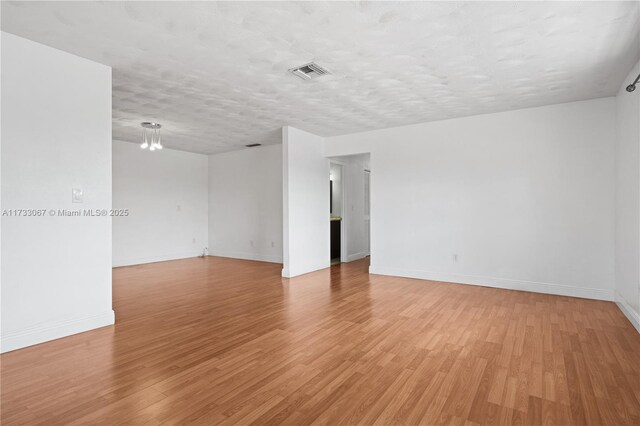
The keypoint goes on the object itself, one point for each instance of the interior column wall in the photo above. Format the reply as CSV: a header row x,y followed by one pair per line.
x,y
56,136
305,186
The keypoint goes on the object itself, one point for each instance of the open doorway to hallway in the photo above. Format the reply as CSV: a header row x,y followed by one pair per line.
x,y
336,202
350,207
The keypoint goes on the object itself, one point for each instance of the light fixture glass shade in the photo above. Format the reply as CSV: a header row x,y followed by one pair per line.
x,y
150,136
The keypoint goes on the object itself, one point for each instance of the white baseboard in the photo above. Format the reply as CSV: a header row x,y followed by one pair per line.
x,y
260,257
356,256
628,311
153,259
53,330
288,273
505,283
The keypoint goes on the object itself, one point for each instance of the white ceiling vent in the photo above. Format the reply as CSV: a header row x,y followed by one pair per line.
x,y
309,71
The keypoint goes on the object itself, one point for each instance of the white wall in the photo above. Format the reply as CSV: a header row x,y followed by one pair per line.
x,y
305,203
357,236
524,199
166,195
336,176
56,135
628,199
245,204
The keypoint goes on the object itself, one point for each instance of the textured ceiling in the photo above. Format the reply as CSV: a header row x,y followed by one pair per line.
x,y
215,73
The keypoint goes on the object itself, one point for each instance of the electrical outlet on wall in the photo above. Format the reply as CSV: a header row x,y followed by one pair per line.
x,y
77,196
454,257
272,244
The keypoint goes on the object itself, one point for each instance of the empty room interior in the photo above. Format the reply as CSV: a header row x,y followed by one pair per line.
x,y
338,213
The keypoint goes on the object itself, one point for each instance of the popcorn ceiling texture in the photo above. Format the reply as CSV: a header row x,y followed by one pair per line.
x,y
215,73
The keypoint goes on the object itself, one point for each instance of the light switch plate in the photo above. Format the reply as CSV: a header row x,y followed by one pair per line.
x,y
77,195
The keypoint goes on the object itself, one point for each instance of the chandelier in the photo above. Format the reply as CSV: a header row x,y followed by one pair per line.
x,y
151,136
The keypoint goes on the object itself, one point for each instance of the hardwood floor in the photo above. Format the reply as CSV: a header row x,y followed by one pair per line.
x,y
223,341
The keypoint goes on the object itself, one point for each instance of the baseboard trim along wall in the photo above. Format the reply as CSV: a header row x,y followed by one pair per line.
x,y
628,312
504,283
260,257
54,330
356,256
154,259
287,273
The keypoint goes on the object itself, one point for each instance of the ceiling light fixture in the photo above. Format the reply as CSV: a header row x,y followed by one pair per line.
x,y
632,86
151,136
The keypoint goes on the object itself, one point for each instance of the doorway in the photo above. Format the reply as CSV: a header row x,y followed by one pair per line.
x,y
336,212
349,207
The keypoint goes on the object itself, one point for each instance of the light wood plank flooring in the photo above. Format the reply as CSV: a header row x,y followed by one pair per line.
x,y
223,341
